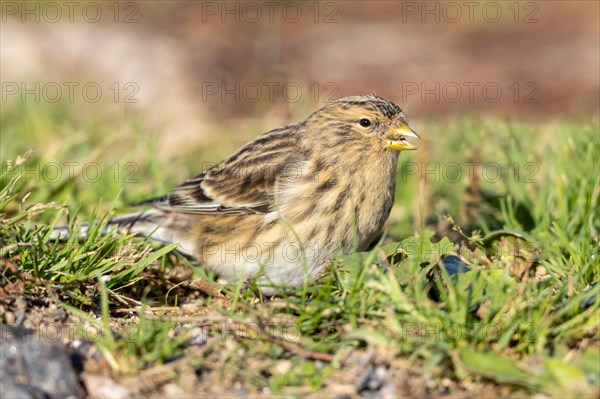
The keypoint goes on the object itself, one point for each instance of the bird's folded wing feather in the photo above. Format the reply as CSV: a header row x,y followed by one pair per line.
x,y
243,183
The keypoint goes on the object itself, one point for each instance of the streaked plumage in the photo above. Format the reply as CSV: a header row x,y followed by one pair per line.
x,y
286,202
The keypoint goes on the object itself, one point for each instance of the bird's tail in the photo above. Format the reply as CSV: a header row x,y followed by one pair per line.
x,y
143,223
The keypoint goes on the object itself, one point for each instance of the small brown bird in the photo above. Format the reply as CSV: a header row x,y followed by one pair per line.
x,y
282,205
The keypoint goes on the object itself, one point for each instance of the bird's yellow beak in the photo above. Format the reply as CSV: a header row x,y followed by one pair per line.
x,y
396,138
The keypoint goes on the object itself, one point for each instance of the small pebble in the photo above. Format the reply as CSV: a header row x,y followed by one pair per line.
x,y
540,271
172,390
99,386
283,366
9,318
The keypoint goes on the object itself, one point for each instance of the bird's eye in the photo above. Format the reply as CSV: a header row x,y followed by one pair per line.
x,y
364,122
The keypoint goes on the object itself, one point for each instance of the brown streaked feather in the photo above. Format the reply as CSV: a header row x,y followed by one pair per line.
x,y
241,184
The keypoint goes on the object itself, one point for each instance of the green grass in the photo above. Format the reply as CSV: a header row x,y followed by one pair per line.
x,y
517,319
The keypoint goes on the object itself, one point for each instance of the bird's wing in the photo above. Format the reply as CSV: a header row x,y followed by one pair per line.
x,y
243,183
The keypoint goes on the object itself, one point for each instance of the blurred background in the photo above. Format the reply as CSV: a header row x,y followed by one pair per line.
x,y
190,65
167,88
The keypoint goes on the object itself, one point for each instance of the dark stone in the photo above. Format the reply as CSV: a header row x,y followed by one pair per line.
x,y
454,265
35,368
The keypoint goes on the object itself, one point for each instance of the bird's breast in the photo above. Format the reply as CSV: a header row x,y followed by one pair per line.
x,y
339,207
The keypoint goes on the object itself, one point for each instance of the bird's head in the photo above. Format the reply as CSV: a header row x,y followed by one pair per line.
x,y
364,120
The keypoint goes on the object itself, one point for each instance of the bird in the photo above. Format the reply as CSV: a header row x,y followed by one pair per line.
x,y
284,204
